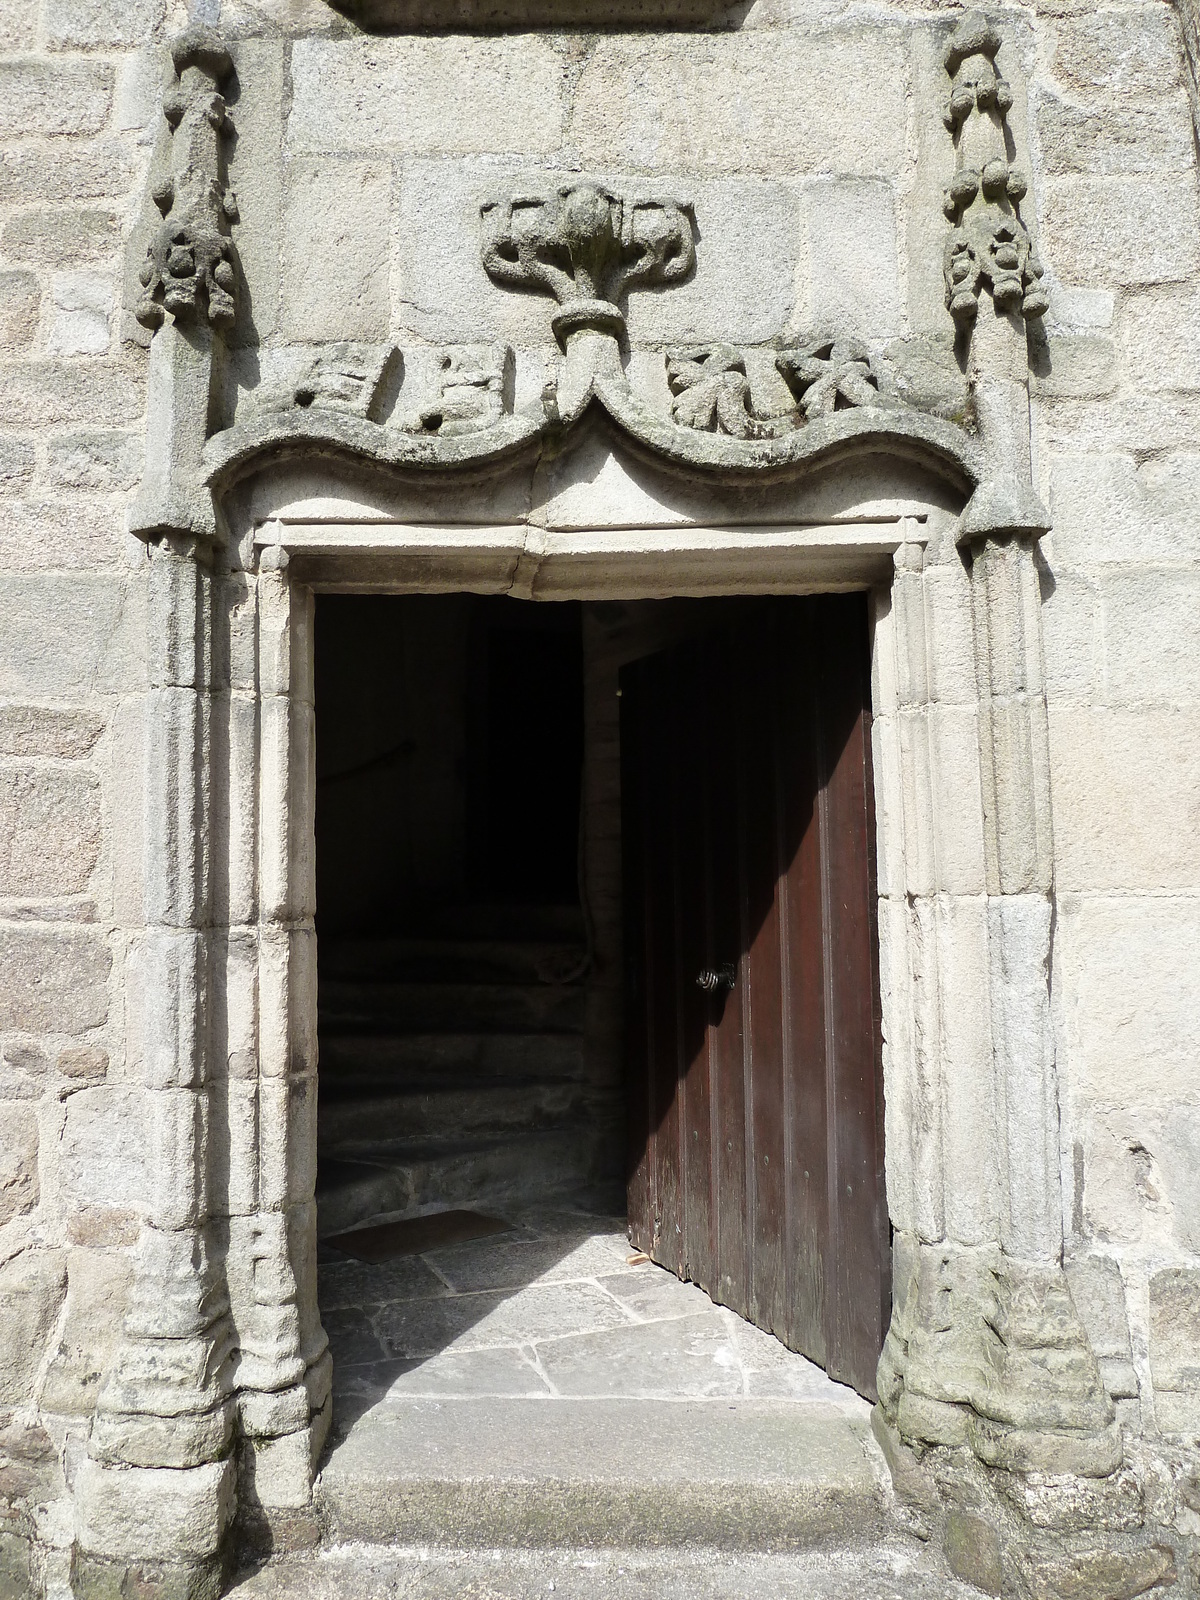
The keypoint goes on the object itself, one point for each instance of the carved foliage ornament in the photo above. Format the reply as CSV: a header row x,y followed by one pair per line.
x,y
586,246
712,390
989,245
190,267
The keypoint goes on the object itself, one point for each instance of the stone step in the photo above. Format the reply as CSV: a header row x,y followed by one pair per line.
x,y
350,1125
345,1006
387,1059
894,1569
449,960
733,1475
407,1177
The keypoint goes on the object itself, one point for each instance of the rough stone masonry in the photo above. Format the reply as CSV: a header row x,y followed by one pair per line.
x,y
273,267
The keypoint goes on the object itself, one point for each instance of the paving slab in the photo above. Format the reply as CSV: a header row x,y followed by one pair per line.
x,y
891,1571
690,1357
737,1474
473,1321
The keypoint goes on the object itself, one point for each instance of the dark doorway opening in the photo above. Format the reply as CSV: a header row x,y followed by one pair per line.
x,y
506,1021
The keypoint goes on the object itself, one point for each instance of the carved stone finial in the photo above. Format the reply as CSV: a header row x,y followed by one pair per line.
x,y
989,243
586,246
190,267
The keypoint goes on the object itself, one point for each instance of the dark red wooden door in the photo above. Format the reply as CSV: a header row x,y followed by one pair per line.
x,y
756,1108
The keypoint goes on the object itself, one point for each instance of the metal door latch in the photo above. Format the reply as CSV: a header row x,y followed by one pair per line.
x,y
712,978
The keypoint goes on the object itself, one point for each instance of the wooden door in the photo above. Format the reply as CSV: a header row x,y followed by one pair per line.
x,y
756,1155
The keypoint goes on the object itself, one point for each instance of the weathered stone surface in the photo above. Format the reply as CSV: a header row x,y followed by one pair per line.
x,y
1075,364
94,458
854,276
90,24
1160,329
56,981
1141,767
1098,1574
160,1513
54,97
1121,230
335,250
81,307
61,237
421,95
670,111
49,830
48,731
16,463
31,1293
18,1159
43,172
69,636
20,297
98,1284
1120,55
972,1546
1099,1295
103,1155
1116,141
1175,1348
1107,508
35,394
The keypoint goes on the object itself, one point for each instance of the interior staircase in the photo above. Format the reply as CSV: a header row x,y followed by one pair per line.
x,y
452,1068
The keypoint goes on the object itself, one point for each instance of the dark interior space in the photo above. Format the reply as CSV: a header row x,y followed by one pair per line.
x,y
452,944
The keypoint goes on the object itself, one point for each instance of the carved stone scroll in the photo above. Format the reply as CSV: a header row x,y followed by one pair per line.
x,y
587,246
989,245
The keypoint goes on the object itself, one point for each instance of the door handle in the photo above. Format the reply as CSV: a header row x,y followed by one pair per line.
x,y
713,978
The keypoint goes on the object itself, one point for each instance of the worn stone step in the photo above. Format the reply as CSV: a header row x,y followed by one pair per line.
x,y
351,1124
449,960
743,1474
345,1006
405,1178
894,1569
386,1059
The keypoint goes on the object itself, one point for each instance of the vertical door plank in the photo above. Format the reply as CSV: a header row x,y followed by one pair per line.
x,y
638,976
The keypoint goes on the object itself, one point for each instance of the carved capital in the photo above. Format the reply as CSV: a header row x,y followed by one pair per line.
x,y
587,246
190,267
989,245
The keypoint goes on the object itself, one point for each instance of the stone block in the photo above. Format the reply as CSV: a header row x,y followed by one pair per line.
x,y
56,980
1136,421
260,105
95,24
31,1293
1075,364
94,458
61,237
49,830
16,463
104,1153
18,27
48,731
1071,637
830,103
1107,508
1160,333
83,1063
44,535
853,270
973,1550
81,308
1123,785
98,1285
46,172
441,291
335,250
1175,1348
161,1513
1149,618
37,393
20,298
1125,984
1121,230
1116,141
1103,56
414,94
1097,1574
18,1159
54,97
69,635
1099,1295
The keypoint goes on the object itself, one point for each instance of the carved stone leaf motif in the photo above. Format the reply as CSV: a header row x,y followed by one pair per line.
x,y
829,375
712,392
586,246
190,267
989,245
